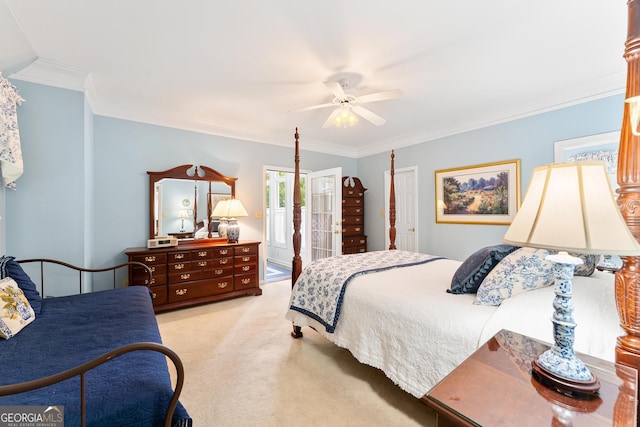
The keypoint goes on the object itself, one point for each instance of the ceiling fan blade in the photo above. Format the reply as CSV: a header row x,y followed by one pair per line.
x,y
368,115
380,96
336,89
314,107
331,118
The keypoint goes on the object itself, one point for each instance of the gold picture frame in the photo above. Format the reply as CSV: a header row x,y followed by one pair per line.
x,y
487,193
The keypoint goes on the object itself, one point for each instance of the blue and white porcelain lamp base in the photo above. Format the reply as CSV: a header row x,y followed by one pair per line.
x,y
559,367
233,232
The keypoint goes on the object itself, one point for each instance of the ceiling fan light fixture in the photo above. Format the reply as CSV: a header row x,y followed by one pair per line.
x,y
345,117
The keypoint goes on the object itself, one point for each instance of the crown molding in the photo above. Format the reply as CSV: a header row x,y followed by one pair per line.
x,y
52,73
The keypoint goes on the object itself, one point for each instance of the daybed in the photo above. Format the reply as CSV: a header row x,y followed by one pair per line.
x,y
404,322
96,356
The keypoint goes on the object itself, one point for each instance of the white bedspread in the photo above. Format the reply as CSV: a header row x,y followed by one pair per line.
x,y
410,328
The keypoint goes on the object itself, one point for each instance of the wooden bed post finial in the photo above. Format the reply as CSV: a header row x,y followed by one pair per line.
x,y
392,206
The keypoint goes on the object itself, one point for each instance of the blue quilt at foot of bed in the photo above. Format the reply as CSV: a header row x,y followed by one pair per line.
x,y
319,290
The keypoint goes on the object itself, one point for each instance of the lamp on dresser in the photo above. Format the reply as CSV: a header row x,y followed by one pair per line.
x,y
229,210
570,208
236,210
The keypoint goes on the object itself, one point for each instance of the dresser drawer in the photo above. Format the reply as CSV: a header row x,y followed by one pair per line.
x,y
186,276
354,241
352,210
178,267
245,268
245,281
150,259
222,262
202,288
222,252
352,229
226,270
202,254
179,256
352,192
245,250
348,202
159,295
353,220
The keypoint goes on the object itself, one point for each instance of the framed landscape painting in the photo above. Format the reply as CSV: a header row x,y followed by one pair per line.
x,y
482,194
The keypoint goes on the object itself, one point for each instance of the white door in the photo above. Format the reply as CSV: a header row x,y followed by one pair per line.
x,y
325,205
406,190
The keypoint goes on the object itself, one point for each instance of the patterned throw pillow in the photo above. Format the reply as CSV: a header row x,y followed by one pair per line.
x,y
523,270
476,267
9,267
15,311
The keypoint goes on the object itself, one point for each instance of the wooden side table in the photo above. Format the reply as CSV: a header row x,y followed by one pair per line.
x,y
494,387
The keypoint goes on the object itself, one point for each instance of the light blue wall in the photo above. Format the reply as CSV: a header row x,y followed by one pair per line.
x,y
84,195
529,139
45,215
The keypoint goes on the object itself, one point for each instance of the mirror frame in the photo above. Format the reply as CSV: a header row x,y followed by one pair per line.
x,y
198,173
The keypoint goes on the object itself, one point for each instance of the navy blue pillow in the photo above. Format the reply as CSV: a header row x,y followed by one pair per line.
x,y
9,267
473,270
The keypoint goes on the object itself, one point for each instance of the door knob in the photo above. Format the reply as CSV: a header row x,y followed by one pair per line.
x,y
412,229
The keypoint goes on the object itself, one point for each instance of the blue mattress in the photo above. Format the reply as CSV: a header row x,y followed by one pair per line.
x,y
132,390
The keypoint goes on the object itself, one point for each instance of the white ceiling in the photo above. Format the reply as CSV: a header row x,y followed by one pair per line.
x,y
239,68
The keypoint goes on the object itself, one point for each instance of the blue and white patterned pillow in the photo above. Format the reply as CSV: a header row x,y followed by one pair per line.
x,y
15,311
520,271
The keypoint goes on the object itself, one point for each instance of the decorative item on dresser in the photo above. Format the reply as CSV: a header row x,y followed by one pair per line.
x,y
196,273
353,238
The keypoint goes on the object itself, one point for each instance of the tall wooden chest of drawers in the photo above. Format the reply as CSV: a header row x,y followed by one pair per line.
x,y
195,273
353,238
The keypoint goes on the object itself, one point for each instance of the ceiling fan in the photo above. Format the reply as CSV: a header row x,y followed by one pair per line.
x,y
348,107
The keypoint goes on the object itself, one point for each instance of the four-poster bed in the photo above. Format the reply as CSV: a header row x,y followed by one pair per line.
x,y
408,320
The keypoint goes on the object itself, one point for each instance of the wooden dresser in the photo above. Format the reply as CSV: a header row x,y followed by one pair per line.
x,y
195,273
353,238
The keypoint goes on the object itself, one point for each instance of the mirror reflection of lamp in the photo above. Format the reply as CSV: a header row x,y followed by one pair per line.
x,y
182,214
220,211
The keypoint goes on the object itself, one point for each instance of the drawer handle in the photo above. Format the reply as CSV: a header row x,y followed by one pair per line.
x,y
362,241
154,295
358,210
202,254
224,261
246,258
218,271
246,268
223,285
150,258
181,292
202,263
178,266
357,228
224,251
185,276
246,281
179,256
153,281
245,250
146,281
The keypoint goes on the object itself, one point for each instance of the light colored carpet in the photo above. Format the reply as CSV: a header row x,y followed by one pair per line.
x,y
243,368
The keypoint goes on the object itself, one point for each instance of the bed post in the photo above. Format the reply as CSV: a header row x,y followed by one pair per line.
x,y
392,206
296,265
627,283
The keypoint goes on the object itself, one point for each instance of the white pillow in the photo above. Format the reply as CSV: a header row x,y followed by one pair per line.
x,y
522,270
15,310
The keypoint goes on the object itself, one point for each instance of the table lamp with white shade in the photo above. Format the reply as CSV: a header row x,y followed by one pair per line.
x,y
230,209
569,207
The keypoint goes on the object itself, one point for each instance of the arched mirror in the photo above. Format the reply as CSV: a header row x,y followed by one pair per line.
x,y
182,199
